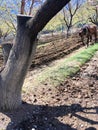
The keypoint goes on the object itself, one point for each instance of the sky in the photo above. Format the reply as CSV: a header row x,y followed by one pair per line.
x,y
14,8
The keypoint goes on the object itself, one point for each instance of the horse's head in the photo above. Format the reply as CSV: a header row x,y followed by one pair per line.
x,y
81,33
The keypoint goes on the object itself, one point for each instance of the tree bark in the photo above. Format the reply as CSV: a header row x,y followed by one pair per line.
x,y
20,57
22,7
13,75
6,51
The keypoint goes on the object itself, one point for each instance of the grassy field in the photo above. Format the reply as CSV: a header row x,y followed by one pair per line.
x,y
68,67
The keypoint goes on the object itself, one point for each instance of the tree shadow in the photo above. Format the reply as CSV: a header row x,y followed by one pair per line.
x,y
42,117
91,128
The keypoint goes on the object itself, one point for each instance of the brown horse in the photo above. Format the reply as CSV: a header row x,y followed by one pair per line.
x,y
88,31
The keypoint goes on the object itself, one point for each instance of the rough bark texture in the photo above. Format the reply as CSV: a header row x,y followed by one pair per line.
x,y
12,77
6,51
15,70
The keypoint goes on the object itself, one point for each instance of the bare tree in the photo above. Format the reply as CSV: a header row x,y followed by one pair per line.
x,y
20,58
1,33
22,7
30,7
4,34
69,12
94,18
7,11
8,18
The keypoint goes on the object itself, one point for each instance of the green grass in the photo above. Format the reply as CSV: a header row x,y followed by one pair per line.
x,y
68,67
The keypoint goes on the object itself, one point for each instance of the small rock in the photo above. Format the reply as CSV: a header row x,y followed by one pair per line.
x,y
33,128
49,89
35,100
2,119
66,90
82,126
58,99
79,96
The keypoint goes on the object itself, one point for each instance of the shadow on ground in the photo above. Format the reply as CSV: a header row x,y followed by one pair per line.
x,y
45,117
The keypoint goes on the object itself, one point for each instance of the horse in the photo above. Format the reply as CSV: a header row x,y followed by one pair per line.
x,y
88,32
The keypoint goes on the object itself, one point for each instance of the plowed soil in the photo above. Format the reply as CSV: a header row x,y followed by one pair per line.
x,y
53,49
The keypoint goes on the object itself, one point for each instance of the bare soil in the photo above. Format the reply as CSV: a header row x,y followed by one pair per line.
x,y
56,49
73,105
52,48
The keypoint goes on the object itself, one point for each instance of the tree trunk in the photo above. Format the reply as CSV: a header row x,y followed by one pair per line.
x,y
15,70
6,51
22,7
20,57
68,32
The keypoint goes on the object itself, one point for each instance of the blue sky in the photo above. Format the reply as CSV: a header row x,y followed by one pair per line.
x,y
12,4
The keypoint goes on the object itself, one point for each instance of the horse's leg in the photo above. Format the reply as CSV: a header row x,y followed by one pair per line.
x,y
95,37
82,39
90,38
87,43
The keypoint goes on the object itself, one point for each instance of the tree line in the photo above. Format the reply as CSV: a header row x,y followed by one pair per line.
x,y
70,16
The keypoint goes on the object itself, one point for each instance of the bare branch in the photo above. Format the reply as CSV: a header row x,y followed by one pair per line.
x,y
71,10
31,7
94,18
22,10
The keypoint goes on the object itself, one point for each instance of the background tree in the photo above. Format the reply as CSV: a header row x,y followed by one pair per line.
x,y
69,12
20,58
9,9
94,17
1,34
27,6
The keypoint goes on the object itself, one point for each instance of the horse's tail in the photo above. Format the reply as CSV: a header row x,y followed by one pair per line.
x,y
95,28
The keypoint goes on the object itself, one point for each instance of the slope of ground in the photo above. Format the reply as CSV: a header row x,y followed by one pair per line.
x,y
72,105
52,48
55,49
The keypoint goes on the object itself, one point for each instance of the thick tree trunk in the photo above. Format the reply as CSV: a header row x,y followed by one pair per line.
x,y
15,70
20,58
